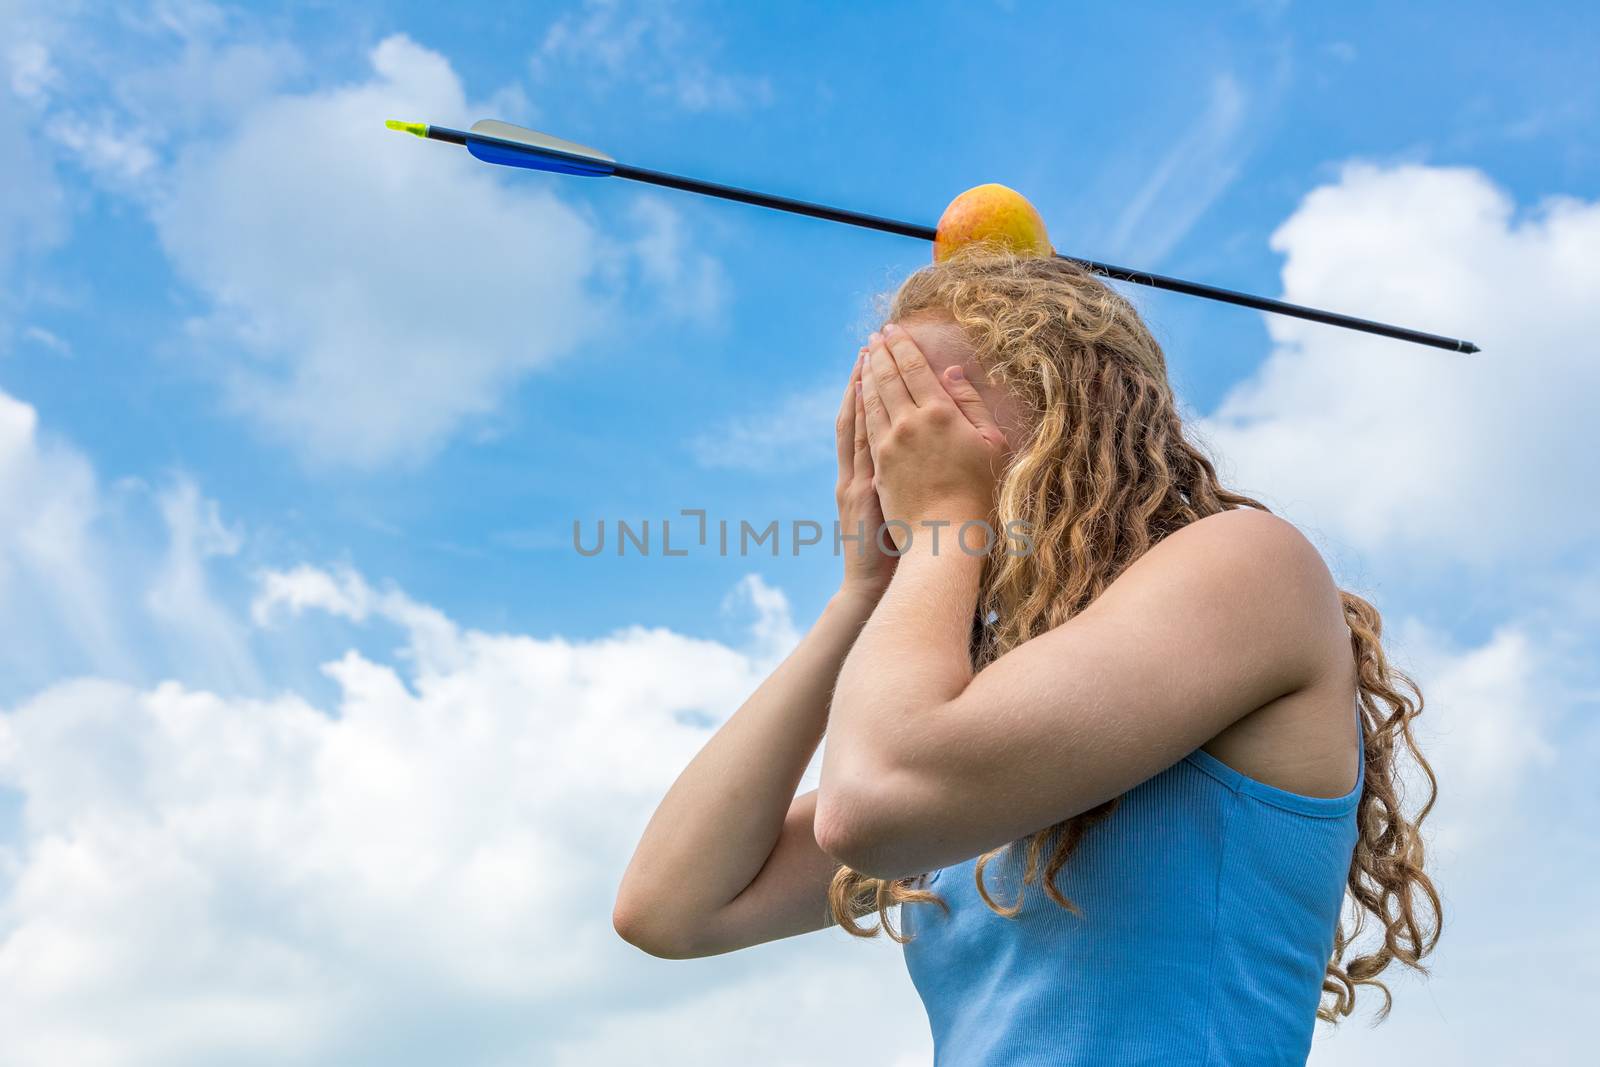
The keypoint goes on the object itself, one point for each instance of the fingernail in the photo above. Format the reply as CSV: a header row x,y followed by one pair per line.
x,y
874,337
956,373
889,327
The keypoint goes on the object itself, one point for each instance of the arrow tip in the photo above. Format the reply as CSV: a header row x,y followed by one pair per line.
x,y
419,129
1469,347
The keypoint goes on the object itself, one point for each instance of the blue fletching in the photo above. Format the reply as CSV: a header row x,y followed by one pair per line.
x,y
529,158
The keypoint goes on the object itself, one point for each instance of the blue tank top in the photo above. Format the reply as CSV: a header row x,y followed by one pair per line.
x,y
1209,904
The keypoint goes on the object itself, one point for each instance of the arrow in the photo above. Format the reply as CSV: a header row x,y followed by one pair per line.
x,y
513,146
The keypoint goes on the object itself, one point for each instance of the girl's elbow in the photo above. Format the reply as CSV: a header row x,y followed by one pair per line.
x,y
849,827
652,938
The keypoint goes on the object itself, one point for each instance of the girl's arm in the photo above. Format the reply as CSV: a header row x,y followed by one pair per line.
x,y
729,858
928,764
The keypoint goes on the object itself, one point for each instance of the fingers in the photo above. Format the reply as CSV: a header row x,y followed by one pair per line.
x,y
872,405
863,447
961,390
920,381
890,387
845,429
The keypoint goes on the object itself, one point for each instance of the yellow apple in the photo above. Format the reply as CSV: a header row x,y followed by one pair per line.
x,y
991,212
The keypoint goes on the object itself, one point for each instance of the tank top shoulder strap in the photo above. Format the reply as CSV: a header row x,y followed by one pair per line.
x,y
1319,807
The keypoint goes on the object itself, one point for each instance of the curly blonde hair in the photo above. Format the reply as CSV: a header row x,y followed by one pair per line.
x,y
1104,474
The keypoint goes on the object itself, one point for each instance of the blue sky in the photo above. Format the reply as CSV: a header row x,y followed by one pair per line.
x,y
280,390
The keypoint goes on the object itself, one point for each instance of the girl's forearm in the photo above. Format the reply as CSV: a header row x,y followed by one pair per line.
x,y
912,655
719,822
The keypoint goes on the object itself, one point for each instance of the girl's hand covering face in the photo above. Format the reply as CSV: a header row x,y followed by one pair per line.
x,y
867,568
935,446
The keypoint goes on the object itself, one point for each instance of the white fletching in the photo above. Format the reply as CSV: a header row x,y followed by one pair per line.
x,y
534,139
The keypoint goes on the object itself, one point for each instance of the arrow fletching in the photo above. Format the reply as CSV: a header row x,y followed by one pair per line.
x,y
499,142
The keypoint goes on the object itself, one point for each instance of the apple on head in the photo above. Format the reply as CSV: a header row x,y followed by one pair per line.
x,y
991,212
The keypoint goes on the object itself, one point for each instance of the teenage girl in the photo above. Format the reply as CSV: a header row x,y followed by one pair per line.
x,y
1106,732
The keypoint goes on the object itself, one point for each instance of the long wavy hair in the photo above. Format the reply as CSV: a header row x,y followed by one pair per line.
x,y
1104,473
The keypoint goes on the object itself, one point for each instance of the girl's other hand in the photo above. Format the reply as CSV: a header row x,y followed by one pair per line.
x,y
935,446
867,569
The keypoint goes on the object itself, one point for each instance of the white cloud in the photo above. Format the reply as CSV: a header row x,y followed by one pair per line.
x,y
796,433
432,852
1511,850
371,292
52,565
1401,448
113,96
772,630
47,340
1192,174
1489,716
362,296
345,595
32,73
111,580
267,881
32,215
105,146
669,262
1513,853
606,45
420,869
180,596
1422,462
788,1012
382,289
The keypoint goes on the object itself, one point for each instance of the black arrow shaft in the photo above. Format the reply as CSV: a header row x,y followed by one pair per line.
x,y
927,233
779,203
